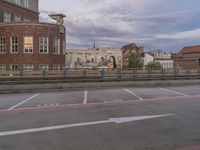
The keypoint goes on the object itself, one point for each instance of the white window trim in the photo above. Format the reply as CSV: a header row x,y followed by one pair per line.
x,y
5,18
28,69
13,65
3,45
26,3
43,68
58,44
11,44
24,45
1,66
44,45
16,15
59,67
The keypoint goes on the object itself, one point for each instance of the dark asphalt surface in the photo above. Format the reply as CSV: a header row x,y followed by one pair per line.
x,y
179,131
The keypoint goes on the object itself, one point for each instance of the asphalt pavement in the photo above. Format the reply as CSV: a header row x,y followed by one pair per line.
x,y
128,118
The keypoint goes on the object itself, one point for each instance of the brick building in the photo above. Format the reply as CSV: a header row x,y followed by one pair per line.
x,y
27,43
188,58
128,49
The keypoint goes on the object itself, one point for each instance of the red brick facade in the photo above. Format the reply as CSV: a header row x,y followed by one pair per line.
x,y
20,58
17,10
188,58
128,49
35,30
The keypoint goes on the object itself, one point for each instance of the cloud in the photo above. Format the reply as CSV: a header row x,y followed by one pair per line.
x,y
117,22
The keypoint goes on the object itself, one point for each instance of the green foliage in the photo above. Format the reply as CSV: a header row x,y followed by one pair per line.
x,y
153,65
134,61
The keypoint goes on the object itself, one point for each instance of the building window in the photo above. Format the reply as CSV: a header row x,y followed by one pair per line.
x,y
56,46
28,44
13,45
2,45
26,20
13,67
26,3
44,45
7,17
28,67
16,1
18,18
44,67
2,67
56,67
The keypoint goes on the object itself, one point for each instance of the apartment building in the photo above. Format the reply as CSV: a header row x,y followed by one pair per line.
x,y
26,43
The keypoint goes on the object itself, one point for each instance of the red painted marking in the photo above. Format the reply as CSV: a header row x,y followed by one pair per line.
x,y
98,104
191,148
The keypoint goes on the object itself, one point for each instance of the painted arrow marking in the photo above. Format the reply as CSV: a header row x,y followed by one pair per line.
x,y
111,120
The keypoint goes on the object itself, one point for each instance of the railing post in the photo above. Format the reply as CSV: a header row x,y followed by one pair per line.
x,y
102,75
134,74
21,73
176,72
198,74
44,74
149,74
119,74
65,73
163,74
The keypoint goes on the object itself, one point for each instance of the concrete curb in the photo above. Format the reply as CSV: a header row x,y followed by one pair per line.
x,y
70,86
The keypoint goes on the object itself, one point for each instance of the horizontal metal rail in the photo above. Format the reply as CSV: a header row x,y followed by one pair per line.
x,y
83,75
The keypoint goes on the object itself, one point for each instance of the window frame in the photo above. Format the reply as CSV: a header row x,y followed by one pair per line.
x,y
5,18
43,44
15,69
2,67
57,46
43,69
30,50
13,46
26,68
2,45
16,15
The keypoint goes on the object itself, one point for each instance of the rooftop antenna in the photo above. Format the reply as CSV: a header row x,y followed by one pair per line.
x,y
94,44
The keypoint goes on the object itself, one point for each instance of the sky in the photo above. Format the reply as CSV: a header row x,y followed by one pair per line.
x,y
168,25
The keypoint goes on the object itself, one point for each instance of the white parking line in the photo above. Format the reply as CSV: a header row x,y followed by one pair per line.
x,y
127,90
26,100
85,97
175,92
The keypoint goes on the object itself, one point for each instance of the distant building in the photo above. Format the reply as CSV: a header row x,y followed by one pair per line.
x,y
148,58
27,43
128,49
188,58
96,57
165,59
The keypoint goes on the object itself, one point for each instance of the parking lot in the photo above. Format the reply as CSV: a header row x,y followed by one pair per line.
x,y
130,118
87,96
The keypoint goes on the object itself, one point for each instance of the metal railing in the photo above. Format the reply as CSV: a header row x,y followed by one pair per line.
x,y
84,74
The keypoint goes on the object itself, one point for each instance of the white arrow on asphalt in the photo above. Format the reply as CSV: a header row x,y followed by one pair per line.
x,y
111,120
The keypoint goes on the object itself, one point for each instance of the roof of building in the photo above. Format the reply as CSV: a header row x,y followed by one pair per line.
x,y
131,46
190,49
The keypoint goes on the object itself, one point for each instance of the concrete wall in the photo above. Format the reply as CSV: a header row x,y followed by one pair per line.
x,y
70,86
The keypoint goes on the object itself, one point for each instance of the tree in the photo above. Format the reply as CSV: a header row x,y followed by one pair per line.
x,y
153,65
134,61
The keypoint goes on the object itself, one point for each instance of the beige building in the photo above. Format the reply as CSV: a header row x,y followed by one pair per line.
x,y
165,59
96,57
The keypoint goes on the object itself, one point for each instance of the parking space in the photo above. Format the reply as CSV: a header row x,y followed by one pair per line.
x,y
150,93
109,95
7,101
55,99
189,90
84,96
